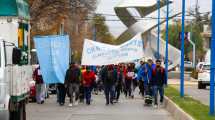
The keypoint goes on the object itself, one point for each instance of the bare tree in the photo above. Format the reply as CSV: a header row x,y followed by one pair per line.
x,y
48,15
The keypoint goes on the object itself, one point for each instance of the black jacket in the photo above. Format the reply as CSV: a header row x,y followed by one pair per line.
x,y
158,77
106,80
72,76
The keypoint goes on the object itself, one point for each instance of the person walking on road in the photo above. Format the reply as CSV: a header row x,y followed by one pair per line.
x,y
145,75
109,76
119,82
88,78
40,86
72,83
129,77
61,93
158,82
140,79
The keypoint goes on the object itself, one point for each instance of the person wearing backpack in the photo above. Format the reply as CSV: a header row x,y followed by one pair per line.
x,y
109,76
72,83
158,82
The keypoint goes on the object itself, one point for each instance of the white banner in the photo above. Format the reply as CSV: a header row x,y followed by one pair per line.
x,y
95,53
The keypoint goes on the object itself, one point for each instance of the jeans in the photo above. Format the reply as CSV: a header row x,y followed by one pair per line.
x,y
109,93
74,88
40,92
87,94
62,93
128,88
141,87
157,89
118,91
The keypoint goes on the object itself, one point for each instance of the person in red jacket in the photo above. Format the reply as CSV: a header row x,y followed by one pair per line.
x,y
88,77
40,86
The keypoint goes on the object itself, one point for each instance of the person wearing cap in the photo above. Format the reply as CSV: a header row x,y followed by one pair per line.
x,y
72,83
158,82
88,77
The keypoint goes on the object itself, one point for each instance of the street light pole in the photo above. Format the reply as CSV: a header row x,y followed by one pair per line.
x,y
194,47
167,38
94,32
182,50
158,37
212,73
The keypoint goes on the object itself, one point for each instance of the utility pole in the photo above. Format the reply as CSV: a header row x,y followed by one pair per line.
x,y
182,50
158,32
212,73
94,32
167,39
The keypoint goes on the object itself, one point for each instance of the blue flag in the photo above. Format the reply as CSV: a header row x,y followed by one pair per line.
x,y
53,56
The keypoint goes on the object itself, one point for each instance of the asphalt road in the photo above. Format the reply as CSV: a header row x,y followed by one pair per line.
x,y
191,89
127,109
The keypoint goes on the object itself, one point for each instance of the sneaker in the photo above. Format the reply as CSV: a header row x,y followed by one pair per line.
x,y
61,104
76,103
42,101
70,104
155,106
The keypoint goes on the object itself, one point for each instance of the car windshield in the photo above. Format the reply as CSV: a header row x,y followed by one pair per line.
x,y
206,67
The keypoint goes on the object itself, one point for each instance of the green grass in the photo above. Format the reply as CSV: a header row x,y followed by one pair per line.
x,y
191,106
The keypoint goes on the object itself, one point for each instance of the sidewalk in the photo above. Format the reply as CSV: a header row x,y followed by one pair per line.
x,y
127,109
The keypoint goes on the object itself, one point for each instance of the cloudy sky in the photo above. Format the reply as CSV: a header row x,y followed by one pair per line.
x,y
116,27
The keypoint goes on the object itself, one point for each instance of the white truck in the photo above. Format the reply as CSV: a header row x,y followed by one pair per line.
x,y
204,72
15,68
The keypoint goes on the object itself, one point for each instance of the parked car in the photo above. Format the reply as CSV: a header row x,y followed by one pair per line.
x,y
199,66
188,64
204,76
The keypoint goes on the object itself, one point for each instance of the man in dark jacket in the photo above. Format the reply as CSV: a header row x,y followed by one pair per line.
x,y
158,82
109,77
72,82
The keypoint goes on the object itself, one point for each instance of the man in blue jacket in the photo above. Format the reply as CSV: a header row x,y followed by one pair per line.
x,y
145,74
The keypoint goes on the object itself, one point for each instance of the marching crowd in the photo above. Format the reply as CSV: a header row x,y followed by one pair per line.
x,y
81,81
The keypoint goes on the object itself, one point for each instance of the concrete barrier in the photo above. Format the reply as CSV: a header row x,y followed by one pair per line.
x,y
175,110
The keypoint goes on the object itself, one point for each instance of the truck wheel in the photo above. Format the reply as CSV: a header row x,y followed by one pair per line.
x,y
200,85
20,113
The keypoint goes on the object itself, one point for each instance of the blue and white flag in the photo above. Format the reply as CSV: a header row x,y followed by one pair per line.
x,y
53,55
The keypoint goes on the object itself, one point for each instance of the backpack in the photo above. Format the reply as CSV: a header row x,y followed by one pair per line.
x,y
110,74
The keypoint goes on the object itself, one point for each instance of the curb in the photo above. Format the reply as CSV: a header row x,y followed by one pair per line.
x,y
175,110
